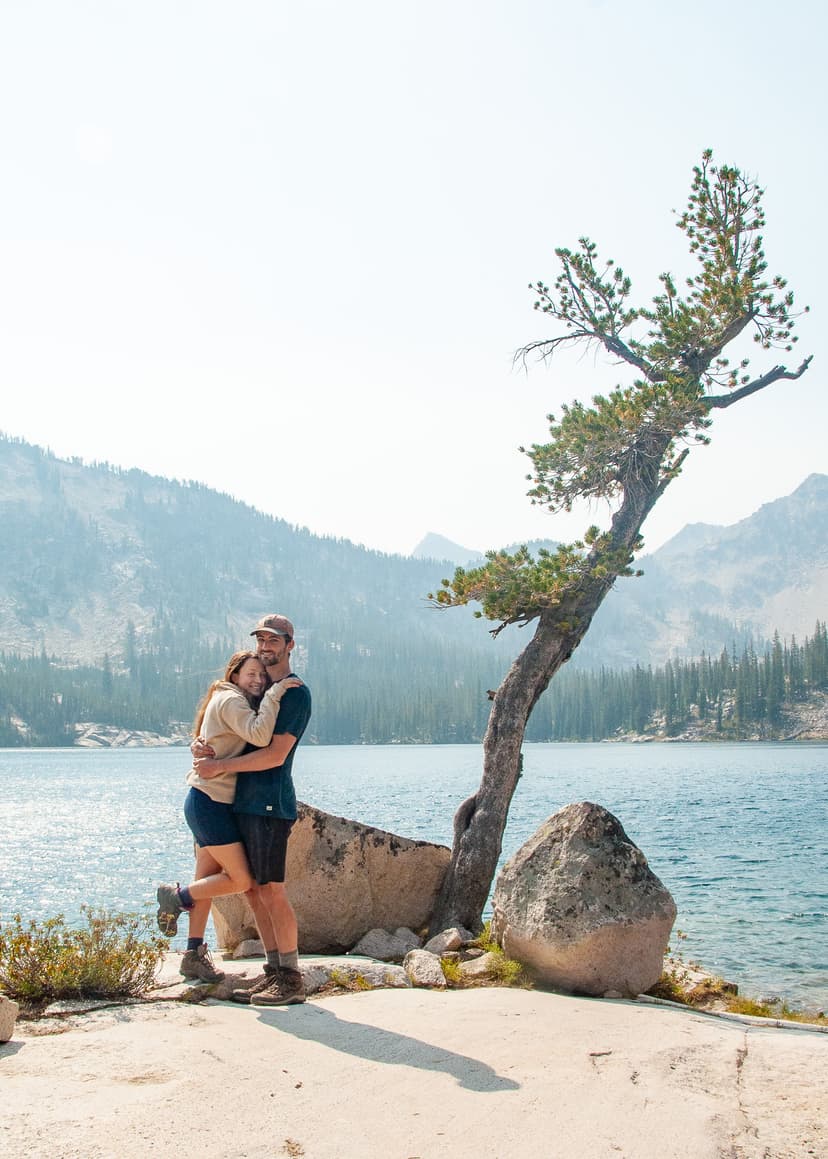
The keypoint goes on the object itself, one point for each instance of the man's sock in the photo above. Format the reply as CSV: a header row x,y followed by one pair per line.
x,y
185,897
272,958
289,961
194,943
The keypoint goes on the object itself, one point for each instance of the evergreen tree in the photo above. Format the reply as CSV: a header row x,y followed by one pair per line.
x,y
626,448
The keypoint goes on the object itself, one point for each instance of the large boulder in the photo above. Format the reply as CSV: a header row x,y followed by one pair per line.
x,y
580,908
344,879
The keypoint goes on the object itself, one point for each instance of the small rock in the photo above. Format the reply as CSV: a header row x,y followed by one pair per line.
x,y
316,976
362,975
409,937
222,991
249,948
8,1016
424,969
451,939
612,994
384,945
482,967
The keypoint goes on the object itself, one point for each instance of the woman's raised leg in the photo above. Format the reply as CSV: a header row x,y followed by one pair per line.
x,y
228,872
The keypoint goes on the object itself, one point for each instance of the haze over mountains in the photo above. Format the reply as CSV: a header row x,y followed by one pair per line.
x,y
87,552
766,573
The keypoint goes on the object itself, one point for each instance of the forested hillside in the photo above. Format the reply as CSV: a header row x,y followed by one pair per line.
x,y
778,694
121,594
746,696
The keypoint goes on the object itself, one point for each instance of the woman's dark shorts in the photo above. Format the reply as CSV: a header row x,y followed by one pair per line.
x,y
212,822
265,843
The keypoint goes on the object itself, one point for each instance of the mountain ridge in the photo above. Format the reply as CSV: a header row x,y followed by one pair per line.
x,y
86,550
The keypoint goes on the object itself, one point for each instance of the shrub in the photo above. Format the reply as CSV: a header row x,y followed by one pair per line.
x,y
114,955
507,972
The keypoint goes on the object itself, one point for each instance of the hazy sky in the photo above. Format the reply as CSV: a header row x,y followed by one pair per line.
x,y
284,249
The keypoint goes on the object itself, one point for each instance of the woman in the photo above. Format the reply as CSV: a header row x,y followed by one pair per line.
x,y
228,718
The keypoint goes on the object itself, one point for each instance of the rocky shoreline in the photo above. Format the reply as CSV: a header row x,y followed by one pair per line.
x,y
803,722
89,735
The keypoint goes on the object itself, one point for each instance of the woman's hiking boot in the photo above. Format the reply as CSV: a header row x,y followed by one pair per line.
x,y
197,965
287,989
169,907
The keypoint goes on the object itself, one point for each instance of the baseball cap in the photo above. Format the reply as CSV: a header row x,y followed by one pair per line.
x,y
277,625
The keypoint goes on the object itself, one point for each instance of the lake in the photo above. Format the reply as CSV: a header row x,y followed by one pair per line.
x,y
736,832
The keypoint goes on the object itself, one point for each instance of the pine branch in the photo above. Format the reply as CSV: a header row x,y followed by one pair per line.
x,y
720,401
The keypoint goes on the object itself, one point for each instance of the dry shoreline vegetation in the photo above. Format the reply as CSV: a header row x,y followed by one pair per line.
x,y
109,956
689,984
116,956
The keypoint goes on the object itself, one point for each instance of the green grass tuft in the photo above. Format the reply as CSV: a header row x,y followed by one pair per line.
x,y
484,940
451,971
347,981
507,972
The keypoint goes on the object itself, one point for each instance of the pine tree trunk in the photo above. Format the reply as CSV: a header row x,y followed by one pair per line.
x,y
481,820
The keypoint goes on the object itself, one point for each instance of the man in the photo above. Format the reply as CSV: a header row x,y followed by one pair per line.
x,y
265,805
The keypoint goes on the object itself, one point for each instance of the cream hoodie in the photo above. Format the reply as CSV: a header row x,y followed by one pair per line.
x,y
229,724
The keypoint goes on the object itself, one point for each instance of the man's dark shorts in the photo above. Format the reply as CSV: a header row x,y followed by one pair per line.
x,y
265,843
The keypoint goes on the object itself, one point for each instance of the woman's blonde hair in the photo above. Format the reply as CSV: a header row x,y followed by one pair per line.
x,y
234,665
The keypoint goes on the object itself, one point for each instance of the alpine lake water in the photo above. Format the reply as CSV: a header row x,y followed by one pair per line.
x,y
737,832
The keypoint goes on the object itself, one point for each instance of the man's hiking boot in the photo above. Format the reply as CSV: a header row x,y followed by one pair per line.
x,y
270,976
169,907
287,989
197,965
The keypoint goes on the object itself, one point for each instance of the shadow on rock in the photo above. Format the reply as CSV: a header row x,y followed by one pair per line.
x,y
319,1024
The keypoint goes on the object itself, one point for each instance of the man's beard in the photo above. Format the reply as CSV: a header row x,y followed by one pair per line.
x,y
270,659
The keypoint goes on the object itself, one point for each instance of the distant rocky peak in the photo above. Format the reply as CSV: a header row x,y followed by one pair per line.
x,y
433,546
